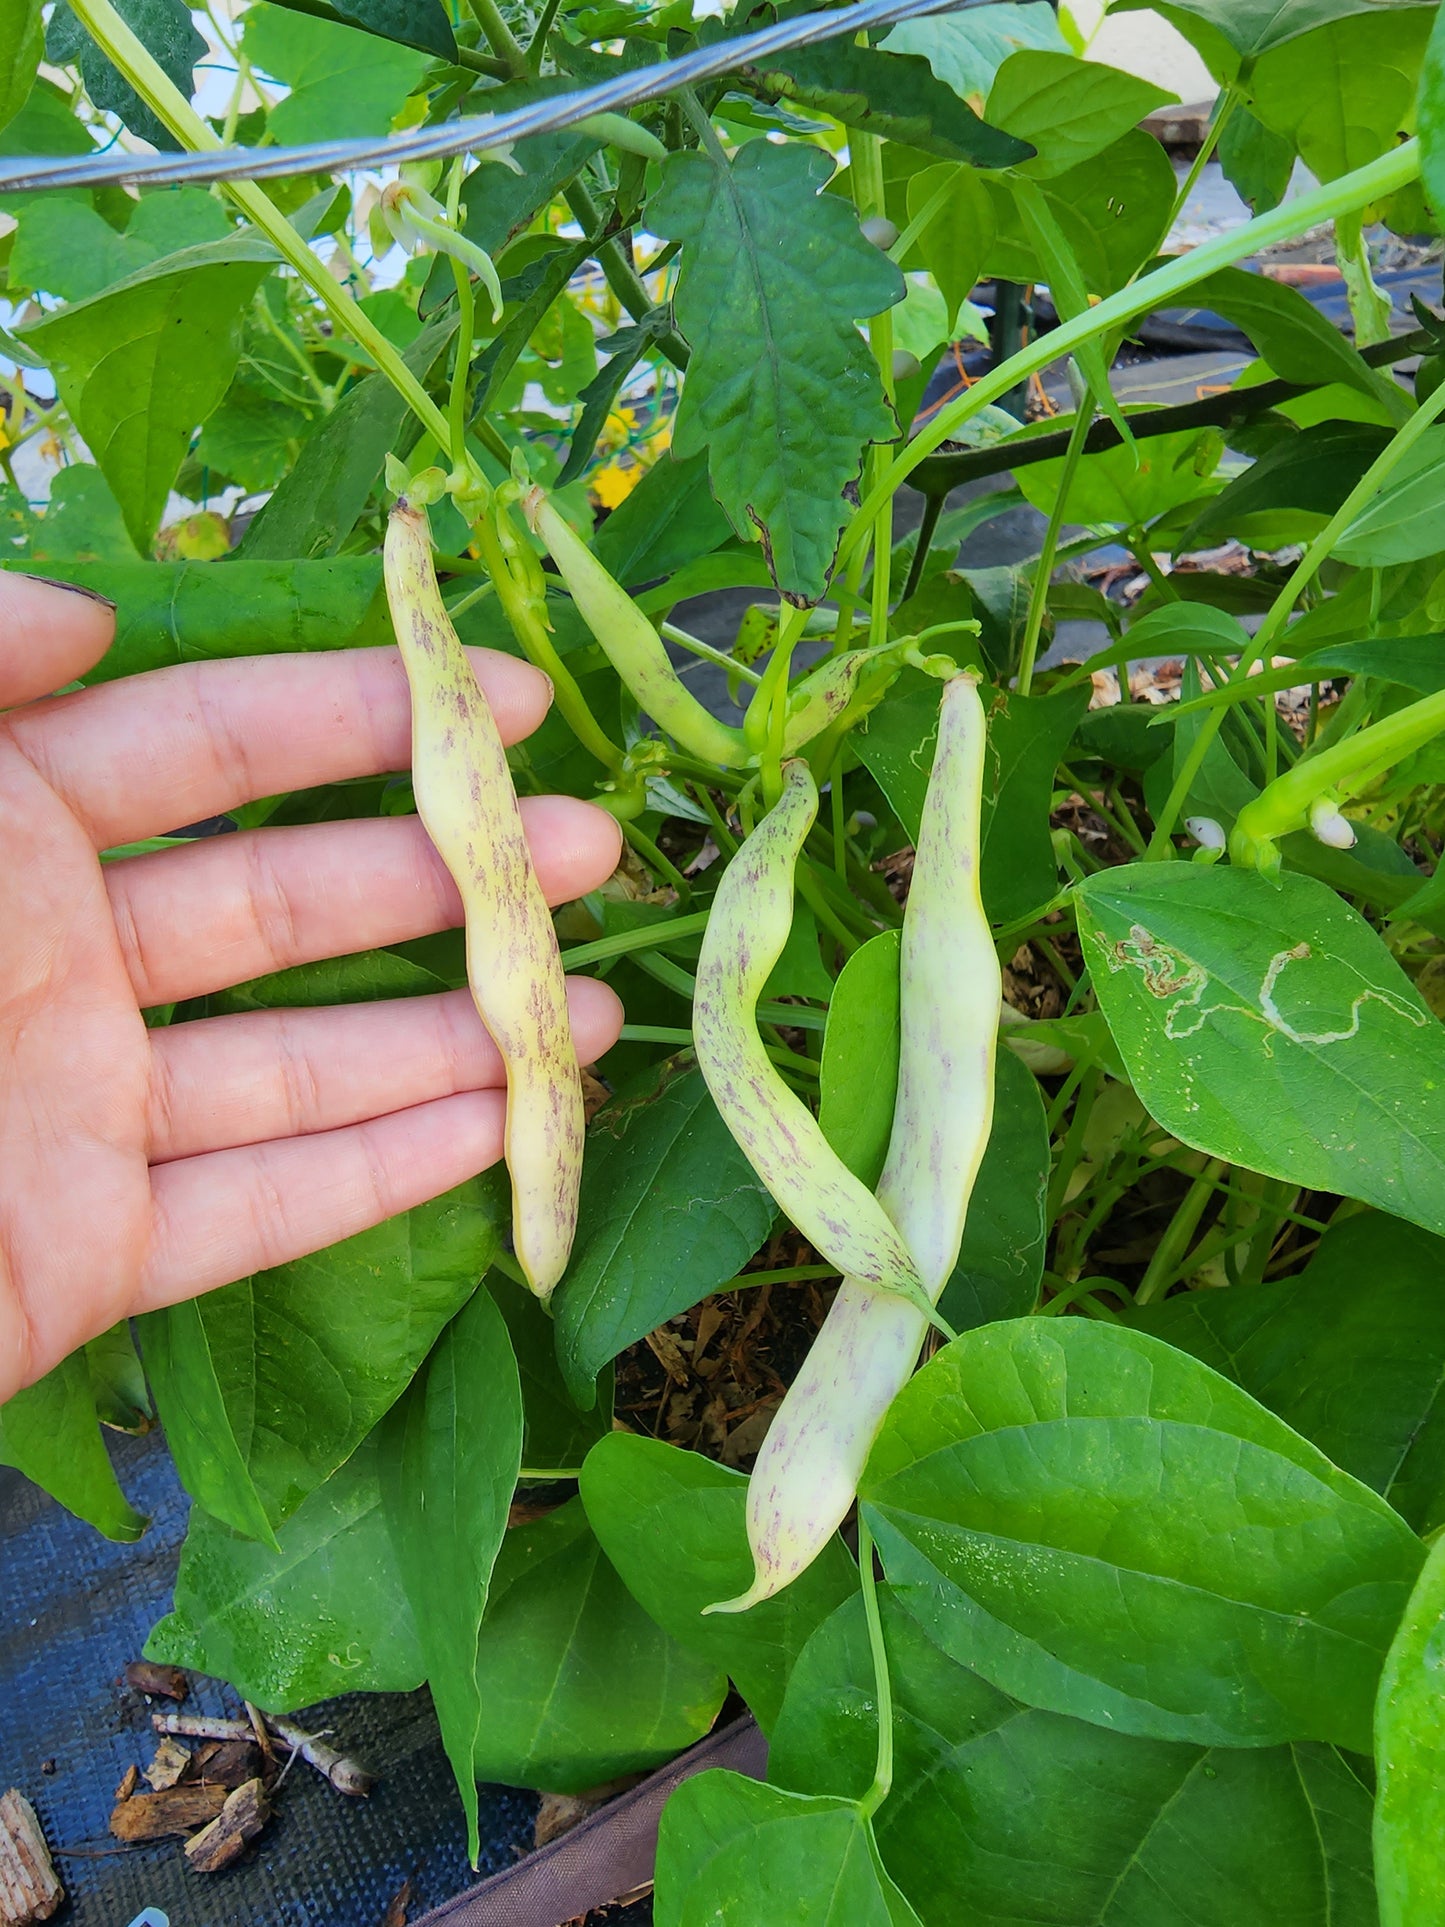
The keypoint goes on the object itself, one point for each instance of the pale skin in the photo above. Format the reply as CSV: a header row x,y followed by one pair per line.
x,y
139,1167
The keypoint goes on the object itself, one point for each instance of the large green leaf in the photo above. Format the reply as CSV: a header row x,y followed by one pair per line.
x,y
454,1446
556,1433
781,388
1267,1024
51,1433
953,243
303,1360
1430,113
967,48
22,43
326,1614
1232,33
673,1524
341,82
1001,1813
577,1684
422,24
1126,487
1311,472
1410,1756
896,96
82,522
730,1850
139,365
1102,1526
670,1210
166,30
69,250
169,612
858,1074
1351,1353
1113,209
1342,93
1291,334
1027,735
1069,109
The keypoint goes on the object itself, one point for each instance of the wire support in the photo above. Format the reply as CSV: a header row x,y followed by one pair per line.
x,y
31,172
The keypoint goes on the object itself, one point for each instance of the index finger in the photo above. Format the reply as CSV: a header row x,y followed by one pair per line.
x,y
150,753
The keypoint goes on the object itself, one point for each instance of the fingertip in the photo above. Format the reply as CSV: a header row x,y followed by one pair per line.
x,y
597,1015
50,633
575,845
518,694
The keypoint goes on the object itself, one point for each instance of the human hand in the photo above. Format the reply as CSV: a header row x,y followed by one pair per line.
x,y
141,1167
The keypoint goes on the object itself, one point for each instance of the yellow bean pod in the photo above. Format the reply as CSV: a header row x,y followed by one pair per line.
x,y
748,925
467,804
808,1470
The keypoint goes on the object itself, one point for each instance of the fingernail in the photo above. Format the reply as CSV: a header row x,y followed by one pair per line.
x,y
72,588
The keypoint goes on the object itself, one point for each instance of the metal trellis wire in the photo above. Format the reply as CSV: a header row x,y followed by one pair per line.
x,y
460,136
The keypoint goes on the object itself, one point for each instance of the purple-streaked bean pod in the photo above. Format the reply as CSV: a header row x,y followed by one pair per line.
x,y
465,799
746,930
813,1456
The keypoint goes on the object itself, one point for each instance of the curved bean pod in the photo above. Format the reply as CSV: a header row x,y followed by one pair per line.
x,y
813,1456
746,930
468,807
631,644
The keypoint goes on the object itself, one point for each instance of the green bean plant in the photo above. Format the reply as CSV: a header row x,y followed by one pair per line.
x,y
1063,1069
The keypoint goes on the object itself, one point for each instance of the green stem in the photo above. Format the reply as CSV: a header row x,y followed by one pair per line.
x,y
932,509
537,46
788,1275
1044,567
671,633
1261,644
665,867
1366,184
651,937
882,1684
531,632
547,1474
618,271
457,399
500,38
656,1034
1228,101
1170,1250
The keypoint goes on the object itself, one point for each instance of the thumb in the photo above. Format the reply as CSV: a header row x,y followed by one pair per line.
x,y
50,633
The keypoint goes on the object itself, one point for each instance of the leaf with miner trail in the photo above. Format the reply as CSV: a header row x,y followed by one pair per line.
x,y
1101,1526
781,390
1267,1024
452,1450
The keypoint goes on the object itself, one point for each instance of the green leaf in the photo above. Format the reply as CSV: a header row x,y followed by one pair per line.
x,y
1351,1353
555,1432
1410,1755
326,1614
1001,1259
858,1074
1231,33
1430,116
1402,522
22,47
167,31
118,1382
82,521
1268,1025
317,504
1311,472
732,1850
1069,109
1114,209
51,1433
953,243
892,95
1125,487
342,82
670,1211
668,520
1292,335
966,49
305,1359
577,1683
454,1446
781,388
170,612
1255,161
1000,1813
1027,735
139,365
1103,1527
422,24
253,438
498,204
674,1525
1342,94
799,971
